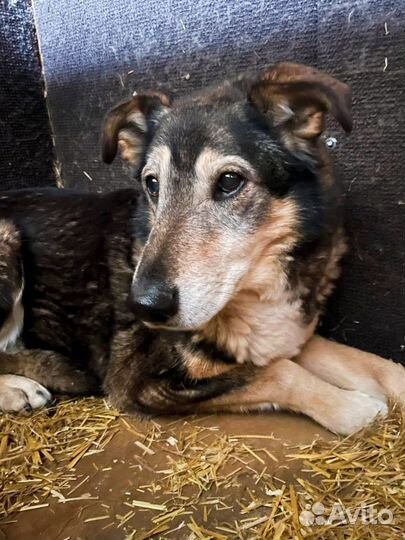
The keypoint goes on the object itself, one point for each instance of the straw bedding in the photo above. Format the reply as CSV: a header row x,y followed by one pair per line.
x,y
185,498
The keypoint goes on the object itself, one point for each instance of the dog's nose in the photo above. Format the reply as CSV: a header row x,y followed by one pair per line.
x,y
154,301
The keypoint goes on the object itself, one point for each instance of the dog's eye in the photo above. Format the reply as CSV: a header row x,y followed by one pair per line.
x,y
152,186
228,184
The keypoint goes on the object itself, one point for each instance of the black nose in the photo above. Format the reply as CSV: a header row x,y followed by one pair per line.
x,y
154,301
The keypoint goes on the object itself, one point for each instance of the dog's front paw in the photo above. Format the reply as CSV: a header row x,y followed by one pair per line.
x,y
354,411
21,394
392,377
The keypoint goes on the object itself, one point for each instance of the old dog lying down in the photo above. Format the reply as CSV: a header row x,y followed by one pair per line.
x,y
200,289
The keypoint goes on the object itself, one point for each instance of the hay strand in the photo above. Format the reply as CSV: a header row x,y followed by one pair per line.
x,y
203,470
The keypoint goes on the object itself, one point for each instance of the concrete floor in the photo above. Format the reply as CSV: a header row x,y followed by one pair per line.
x,y
126,467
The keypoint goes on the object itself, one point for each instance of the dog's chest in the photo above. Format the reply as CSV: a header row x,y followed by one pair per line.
x,y
260,330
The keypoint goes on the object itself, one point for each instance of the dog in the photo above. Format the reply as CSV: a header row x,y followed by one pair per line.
x,y
200,289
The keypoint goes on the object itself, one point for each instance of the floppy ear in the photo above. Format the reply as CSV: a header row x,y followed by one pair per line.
x,y
126,125
297,99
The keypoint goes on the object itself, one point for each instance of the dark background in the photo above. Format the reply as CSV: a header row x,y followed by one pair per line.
x,y
26,148
96,52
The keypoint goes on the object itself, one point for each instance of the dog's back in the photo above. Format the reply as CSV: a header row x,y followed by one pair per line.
x,y
69,246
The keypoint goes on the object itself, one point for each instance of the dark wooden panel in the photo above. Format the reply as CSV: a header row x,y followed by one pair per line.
x,y
99,52
26,149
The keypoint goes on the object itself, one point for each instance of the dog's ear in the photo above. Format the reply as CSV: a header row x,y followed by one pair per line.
x,y
297,98
125,126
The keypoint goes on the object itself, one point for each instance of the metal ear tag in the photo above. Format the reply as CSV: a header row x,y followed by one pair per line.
x,y
331,143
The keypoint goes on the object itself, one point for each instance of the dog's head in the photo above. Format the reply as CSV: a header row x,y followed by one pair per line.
x,y
231,178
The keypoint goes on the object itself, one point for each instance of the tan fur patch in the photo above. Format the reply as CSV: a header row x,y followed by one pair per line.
x,y
287,384
210,164
264,319
129,146
130,142
200,367
158,164
353,369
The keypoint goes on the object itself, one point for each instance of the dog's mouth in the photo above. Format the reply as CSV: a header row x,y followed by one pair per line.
x,y
157,326
171,327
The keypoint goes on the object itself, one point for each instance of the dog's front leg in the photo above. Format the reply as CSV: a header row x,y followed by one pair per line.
x,y
353,369
26,374
287,385
282,384
137,382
